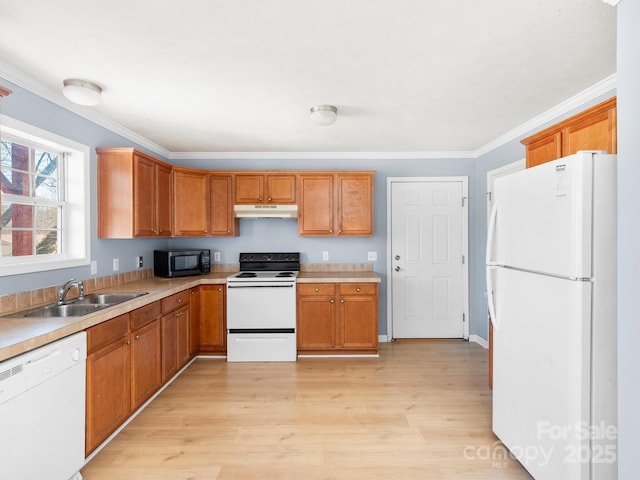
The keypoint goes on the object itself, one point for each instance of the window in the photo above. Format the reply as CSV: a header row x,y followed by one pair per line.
x,y
43,200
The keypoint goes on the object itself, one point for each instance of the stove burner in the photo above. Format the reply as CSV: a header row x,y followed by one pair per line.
x,y
285,274
247,275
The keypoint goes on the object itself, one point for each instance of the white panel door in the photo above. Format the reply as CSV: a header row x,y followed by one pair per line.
x,y
427,263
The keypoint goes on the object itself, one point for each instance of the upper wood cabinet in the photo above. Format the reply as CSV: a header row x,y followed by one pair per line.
x,y
222,222
335,204
254,188
593,129
192,202
134,194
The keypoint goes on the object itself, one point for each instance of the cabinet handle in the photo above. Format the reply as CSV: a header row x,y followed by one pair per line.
x,y
330,231
179,300
261,199
137,337
193,292
342,300
178,314
357,289
206,231
333,301
128,342
220,289
316,289
397,269
228,231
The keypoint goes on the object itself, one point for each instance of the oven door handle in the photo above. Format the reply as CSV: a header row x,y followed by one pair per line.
x,y
260,285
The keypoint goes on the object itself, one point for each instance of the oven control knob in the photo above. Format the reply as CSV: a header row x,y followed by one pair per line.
x,y
268,257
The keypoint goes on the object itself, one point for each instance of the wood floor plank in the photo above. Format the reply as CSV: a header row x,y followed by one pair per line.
x,y
422,410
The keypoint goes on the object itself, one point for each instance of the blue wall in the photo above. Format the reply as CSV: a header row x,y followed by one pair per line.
x,y
34,110
271,234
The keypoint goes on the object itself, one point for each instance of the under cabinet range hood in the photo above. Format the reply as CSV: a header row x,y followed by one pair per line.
x,y
265,211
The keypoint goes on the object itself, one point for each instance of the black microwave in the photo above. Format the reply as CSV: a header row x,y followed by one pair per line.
x,y
181,263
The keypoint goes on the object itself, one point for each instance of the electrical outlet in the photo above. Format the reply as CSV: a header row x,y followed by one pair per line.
x,y
94,267
116,264
139,262
325,256
372,256
216,256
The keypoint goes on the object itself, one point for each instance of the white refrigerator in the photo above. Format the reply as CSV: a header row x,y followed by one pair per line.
x,y
551,288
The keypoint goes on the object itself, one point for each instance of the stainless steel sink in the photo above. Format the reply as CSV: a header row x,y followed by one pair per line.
x,y
106,298
70,310
78,307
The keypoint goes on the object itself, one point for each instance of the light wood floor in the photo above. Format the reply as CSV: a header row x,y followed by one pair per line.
x,y
420,411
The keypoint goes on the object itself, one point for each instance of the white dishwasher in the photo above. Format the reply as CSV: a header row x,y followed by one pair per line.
x,y
42,408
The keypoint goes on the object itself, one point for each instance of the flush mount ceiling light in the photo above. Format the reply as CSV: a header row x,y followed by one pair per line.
x,y
324,114
82,92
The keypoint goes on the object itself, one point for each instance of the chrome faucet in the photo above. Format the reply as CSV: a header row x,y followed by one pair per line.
x,y
62,291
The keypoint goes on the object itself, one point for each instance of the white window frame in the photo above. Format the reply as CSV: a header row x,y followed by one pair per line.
x,y
76,234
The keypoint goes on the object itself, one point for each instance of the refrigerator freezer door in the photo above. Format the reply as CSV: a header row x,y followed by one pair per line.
x,y
544,218
541,381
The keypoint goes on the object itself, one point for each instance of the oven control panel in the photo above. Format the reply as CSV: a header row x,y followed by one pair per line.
x,y
270,257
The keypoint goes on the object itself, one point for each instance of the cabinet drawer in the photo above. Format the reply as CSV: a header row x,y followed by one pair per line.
x,y
144,315
310,289
175,301
107,332
358,288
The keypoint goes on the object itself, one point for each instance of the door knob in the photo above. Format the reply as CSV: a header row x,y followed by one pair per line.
x,y
397,269
397,257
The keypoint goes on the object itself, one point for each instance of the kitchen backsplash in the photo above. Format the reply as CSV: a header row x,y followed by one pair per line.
x,y
43,296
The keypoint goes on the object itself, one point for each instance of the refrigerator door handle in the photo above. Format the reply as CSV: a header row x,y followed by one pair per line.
x,y
490,231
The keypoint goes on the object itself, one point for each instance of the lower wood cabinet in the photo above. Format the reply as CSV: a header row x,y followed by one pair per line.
x,y
337,317
213,325
175,333
123,370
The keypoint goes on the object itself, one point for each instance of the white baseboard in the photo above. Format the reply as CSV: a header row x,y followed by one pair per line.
x,y
479,340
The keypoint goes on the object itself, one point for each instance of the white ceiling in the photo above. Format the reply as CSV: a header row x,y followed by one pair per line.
x,y
240,76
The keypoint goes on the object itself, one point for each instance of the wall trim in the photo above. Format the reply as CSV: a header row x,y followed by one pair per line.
x,y
29,83
479,340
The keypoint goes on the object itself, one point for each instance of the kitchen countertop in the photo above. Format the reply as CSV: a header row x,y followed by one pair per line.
x,y
19,335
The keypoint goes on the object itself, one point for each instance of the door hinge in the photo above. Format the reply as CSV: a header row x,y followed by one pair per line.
x,y
463,199
489,195
463,259
464,318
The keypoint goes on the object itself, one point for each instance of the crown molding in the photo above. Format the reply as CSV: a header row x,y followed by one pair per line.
x,y
607,85
27,82
319,155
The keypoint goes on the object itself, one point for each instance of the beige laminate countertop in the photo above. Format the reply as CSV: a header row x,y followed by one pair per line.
x,y
19,335
338,277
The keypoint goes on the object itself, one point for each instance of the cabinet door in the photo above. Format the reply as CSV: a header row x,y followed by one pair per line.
x,y
316,323
315,213
249,189
146,376
194,322
183,337
169,332
281,189
358,323
544,150
355,204
191,203
213,334
143,197
593,133
163,201
108,401
222,223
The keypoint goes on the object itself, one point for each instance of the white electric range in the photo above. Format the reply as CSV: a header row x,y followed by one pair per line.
x,y
261,308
